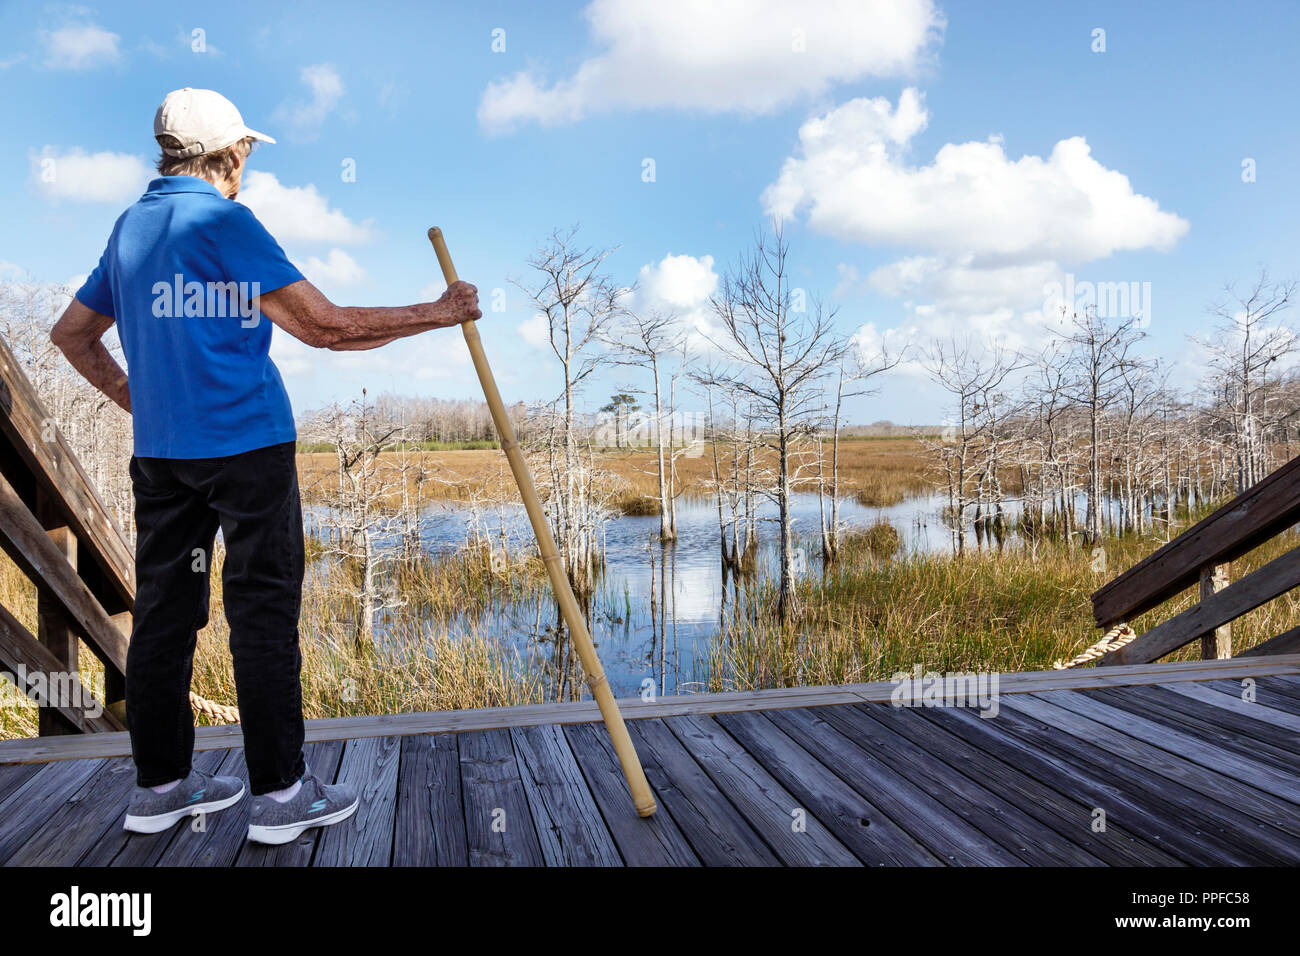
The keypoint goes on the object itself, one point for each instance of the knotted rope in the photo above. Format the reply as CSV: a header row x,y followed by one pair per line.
x,y
213,710
1115,638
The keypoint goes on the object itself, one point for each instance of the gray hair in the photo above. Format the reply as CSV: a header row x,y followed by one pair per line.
x,y
215,166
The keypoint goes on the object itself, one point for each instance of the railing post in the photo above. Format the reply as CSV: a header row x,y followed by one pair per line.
x,y
53,629
115,681
1215,644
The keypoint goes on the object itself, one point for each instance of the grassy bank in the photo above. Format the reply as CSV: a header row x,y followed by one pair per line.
x,y
870,619
420,665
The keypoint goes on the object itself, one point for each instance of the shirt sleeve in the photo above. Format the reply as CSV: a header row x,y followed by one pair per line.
x,y
250,254
96,293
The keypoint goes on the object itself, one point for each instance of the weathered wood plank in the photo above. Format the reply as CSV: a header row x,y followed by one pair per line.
x,y
1257,775
35,440
1290,679
769,807
214,839
79,821
1000,821
1227,731
28,808
1280,694
498,825
1052,797
1038,838
1207,826
1223,789
384,725
654,841
718,835
861,826
1270,692
1214,610
933,825
1183,822
54,631
1255,711
569,826
20,650
117,847
1280,690
366,839
1288,642
13,776
323,759
1264,510
430,814
25,541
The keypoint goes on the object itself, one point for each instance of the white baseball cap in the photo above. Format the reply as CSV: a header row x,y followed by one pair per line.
x,y
202,120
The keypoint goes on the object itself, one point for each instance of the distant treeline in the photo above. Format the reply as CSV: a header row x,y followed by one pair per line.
x,y
430,424
887,429
441,424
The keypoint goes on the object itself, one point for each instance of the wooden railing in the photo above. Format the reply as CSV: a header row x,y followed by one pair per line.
x,y
57,531
1202,554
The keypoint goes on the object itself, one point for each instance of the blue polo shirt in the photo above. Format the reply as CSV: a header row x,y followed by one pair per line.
x,y
180,277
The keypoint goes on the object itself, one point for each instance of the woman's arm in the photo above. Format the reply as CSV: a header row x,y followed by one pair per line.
x,y
77,334
303,311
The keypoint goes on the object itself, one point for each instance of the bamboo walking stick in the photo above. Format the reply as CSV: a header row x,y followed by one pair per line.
x,y
636,781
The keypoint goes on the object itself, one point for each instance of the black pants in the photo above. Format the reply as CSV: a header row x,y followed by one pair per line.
x,y
179,504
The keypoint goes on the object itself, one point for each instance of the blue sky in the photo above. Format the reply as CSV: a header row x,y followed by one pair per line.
x,y
936,164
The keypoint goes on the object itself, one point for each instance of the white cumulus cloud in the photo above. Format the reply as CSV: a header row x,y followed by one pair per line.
x,y
80,46
299,213
304,119
854,182
751,56
536,331
79,176
989,234
336,269
679,282
680,286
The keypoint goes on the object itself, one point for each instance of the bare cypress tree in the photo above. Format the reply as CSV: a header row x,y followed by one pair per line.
x,y
779,352
642,338
579,305
1099,355
972,374
357,512
853,373
1249,342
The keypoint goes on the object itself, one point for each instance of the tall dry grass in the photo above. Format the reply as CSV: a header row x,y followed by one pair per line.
x,y
868,619
420,665
878,471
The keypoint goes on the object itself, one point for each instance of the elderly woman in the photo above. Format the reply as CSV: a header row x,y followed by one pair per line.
x,y
187,276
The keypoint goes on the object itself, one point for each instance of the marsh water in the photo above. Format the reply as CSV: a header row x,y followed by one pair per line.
x,y
658,608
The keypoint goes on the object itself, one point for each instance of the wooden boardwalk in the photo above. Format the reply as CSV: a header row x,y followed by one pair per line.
x,y
1185,771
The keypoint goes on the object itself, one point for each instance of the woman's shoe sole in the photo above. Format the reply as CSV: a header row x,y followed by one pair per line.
x,y
162,821
288,832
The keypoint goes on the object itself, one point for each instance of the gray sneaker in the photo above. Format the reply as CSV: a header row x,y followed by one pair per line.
x,y
149,812
315,805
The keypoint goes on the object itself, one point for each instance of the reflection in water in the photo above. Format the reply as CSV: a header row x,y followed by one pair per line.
x,y
658,605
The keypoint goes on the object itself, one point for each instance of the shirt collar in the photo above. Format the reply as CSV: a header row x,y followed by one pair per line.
x,y
182,184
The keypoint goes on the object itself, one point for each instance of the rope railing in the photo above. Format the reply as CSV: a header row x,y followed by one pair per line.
x,y
1114,639
211,709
